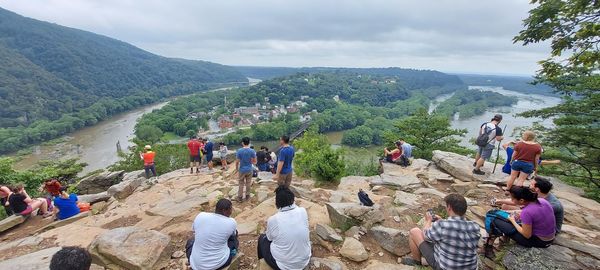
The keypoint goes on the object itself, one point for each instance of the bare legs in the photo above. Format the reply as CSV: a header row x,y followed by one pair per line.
x,y
415,239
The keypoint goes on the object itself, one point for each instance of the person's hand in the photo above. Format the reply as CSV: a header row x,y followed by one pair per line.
x,y
511,218
428,216
437,218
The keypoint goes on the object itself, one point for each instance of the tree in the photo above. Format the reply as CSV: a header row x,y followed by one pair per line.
x,y
150,134
427,132
317,159
573,29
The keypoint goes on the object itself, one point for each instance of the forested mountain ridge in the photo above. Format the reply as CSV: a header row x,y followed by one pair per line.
x,y
56,79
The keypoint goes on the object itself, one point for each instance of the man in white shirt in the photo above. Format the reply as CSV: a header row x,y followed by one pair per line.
x,y
286,244
215,240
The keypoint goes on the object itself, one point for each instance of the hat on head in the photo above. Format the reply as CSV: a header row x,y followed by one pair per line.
x,y
147,147
497,117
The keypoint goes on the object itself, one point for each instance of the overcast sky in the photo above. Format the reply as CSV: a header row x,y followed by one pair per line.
x,y
449,35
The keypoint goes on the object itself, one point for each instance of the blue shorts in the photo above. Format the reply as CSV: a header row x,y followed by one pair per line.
x,y
209,157
522,166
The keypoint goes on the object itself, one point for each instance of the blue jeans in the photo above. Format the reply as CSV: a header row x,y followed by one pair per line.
x,y
522,166
150,168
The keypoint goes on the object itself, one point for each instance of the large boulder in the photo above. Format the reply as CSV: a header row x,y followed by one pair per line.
x,y
327,233
217,157
176,207
588,248
377,265
129,248
554,257
10,222
407,199
404,182
39,260
392,240
94,198
329,263
99,182
346,215
462,187
130,182
456,165
354,250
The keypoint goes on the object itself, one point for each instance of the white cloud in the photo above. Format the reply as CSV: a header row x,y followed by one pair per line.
x,y
459,35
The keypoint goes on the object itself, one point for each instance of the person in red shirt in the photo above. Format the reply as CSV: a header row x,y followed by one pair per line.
x,y
148,158
525,159
195,158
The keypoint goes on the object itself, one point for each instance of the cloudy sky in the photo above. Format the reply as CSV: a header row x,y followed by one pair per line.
x,y
449,35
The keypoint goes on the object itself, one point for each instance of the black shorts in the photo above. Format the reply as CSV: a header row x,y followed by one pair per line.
x,y
195,158
426,249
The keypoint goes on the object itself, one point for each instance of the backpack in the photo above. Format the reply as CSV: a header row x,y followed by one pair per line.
x,y
490,216
484,138
364,198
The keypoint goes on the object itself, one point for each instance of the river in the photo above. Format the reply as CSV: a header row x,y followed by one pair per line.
x,y
96,145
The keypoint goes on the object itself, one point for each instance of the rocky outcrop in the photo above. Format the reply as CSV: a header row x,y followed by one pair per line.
x,y
129,248
33,261
99,183
456,165
377,265
354,250
94,198
327,233
130,182
392,240
329,263
554,257
217,157
10,222
346,215
396,177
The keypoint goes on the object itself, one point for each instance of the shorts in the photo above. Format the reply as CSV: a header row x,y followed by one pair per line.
x,y
522,166
486,152
195,158
209,157
426,249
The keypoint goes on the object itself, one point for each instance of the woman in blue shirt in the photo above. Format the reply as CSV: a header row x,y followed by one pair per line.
x,y
65,205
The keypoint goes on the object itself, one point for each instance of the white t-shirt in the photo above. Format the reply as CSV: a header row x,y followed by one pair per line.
x,y
288,230
210,249
493,130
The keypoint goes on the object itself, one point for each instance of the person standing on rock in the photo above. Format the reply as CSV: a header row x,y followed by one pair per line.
x,y
446,243
284,171
194,148
148,158
215,241
245,158
286,243
208,148
261,159
490,132
223,155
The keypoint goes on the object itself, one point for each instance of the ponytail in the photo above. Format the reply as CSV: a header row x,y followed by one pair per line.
x,y
524,193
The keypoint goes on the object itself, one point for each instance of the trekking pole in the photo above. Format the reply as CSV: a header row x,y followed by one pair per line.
x,y
498,152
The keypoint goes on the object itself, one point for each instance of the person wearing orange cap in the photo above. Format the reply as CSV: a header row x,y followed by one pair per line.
x,y
148,158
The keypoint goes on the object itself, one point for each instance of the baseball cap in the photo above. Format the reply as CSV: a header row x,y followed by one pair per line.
x,y
147,147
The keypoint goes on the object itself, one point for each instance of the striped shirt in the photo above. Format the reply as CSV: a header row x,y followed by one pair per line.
x,y
455,243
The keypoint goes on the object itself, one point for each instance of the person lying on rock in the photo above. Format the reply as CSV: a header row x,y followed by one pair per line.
x,y
542,187
4,193
23,205
71,258
538,224
286,244
65,205
446,243
215,241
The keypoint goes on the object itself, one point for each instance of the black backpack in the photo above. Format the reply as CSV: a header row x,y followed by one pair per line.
x,y
364,198
483,138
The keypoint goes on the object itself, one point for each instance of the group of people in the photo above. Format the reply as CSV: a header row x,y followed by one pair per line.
x,y
59,203
202,149
401,155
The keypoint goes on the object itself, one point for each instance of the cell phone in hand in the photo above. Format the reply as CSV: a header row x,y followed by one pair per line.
x,y
433,216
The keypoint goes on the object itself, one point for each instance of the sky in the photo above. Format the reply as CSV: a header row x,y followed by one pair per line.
x,y
457,36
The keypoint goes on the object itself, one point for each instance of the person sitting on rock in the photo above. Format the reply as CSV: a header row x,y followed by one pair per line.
x,y
525,159
446,243
65,205
71,258
286,244
542,187
23,205
215,241
537,226
4,193
393,155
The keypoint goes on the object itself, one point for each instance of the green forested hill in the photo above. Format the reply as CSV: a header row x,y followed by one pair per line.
x,y
55,79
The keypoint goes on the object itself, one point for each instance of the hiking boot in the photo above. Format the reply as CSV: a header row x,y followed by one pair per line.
x,y
247,197
479,172
489,252
191,170
239,199
410,261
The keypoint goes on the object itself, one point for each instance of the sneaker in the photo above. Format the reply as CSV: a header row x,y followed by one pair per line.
x,y
479,172
410,261
192,171
489,252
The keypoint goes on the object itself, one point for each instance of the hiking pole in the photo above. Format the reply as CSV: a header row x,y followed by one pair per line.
x,y
498,151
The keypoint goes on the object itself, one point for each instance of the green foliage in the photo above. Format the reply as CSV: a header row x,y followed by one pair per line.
x,y
427,132
573,29
148,134
169,157
56,79
469,103
66,171
362,167
315,158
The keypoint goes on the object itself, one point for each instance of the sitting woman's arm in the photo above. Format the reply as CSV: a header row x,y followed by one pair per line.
x,y
27,199
525,230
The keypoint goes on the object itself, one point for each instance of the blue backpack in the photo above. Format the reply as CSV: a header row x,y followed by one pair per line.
x,y
490,216
364,198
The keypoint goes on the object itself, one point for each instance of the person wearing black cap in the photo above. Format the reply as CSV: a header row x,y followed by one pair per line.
x,y
493,131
